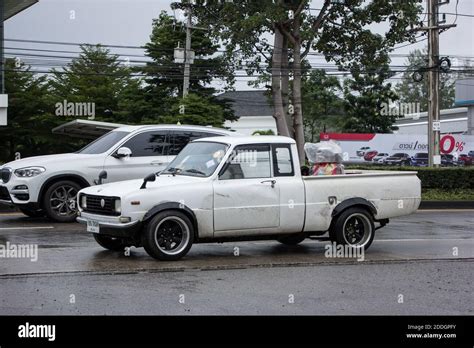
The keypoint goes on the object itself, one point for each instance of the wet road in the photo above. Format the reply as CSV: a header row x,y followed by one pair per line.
x,y
420,264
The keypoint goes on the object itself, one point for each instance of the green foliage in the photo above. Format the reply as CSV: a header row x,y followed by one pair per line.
x,y
410,91
195,110
164,77
264,132
435,178
447,195
322,108
28,128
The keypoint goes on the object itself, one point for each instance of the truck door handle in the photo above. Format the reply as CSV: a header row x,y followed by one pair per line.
x,y
156,163
273,182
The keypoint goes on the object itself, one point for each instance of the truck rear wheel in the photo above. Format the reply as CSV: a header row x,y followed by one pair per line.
x,y
111,243
354,227
168,236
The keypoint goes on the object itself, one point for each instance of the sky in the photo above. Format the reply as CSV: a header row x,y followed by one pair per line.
x,y
128,23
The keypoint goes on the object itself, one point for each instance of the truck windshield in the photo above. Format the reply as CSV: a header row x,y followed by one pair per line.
x,y
103,144
197,159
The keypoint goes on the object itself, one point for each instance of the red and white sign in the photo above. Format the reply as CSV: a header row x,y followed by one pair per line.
x,y
356,145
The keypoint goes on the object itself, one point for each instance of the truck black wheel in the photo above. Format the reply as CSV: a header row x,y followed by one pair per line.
x,y
32,213
111,243
59,201
292,239
168,236
354,227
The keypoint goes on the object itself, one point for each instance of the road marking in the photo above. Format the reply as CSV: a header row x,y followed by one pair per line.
x,y
422,240
420,211
27,228
12,214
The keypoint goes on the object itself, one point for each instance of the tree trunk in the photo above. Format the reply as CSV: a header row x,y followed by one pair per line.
x,y
285,87
278,110
297,99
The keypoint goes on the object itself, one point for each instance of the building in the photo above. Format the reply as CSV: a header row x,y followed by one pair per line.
x,y
254,110
8,9
454,121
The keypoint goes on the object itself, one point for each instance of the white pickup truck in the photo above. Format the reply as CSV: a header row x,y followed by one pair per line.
x,y
243,188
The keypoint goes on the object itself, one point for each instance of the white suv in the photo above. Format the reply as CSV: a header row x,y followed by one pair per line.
x,y
48,185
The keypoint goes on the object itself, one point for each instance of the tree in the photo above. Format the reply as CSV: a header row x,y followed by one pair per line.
x,y
363,96
322,107
164,77
410,91
96,77
339,31
196,110
25,131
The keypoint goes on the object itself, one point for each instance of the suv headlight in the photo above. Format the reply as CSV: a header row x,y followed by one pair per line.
x,y
29,172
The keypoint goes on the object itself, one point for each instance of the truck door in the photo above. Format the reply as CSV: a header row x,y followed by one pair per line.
x,y
246,196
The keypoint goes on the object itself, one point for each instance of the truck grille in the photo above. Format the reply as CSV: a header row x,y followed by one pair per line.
x,y
4,195
101,205
5,174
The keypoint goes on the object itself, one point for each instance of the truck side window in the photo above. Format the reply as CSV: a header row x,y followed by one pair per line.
x,y
248,162
282,161
147,144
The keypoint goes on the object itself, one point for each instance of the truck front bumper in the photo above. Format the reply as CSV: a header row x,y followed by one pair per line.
x,y
111,226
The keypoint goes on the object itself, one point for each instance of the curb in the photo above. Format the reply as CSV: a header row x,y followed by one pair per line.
x,y
446,205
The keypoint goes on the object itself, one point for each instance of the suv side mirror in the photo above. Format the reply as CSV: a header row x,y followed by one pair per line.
x,y
123,152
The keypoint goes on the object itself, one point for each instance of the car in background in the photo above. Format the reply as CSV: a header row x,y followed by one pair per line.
x,y
48,185
361,152
447,160
420,159
400,159
370,155
464,160
380,157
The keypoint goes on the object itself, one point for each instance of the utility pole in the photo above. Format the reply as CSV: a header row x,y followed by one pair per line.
x,y
433,84
187,58
433,69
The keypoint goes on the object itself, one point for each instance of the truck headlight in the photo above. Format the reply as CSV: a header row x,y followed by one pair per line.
x,y
83,201
29,172
118,206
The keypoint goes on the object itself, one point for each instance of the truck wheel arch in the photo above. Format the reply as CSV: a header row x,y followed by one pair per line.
x,y
72,177
173,206
352,202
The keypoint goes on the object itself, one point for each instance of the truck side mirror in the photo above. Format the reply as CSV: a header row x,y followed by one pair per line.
x,y
123,152
102,176
148,178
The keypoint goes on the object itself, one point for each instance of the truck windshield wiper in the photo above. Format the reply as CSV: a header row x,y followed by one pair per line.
x,y
172,171
194,171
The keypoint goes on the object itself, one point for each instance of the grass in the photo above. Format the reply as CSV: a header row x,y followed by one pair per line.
x,y
433,194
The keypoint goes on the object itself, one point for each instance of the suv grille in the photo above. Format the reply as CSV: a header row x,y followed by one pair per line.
x,y
4,195
101,205
5,174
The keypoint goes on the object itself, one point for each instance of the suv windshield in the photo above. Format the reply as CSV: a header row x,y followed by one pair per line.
x,y
103,144
197,159
421,155
399,155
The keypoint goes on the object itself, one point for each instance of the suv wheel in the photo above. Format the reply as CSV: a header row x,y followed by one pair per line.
x,y
168,236
59,201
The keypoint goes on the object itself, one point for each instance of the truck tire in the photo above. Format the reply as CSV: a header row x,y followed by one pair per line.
x,y
59,201
354,227
111,243
168,236
32,213
292,239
